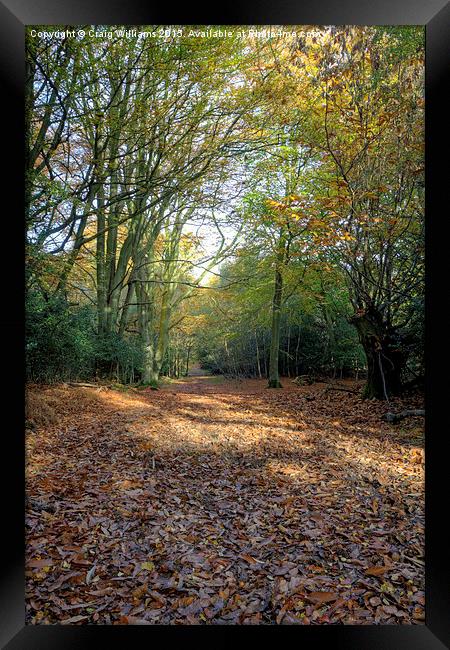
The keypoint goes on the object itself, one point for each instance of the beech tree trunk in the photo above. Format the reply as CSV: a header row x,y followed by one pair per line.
x,y
385,356
274,379
258,364
187,361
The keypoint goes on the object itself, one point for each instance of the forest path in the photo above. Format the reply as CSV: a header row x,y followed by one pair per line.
x,y
196,371
223,502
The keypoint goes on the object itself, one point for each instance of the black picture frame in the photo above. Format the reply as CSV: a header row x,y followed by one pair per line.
x,y
14,16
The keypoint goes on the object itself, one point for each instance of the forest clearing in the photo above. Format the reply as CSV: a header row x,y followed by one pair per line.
x,y
223,502
224,325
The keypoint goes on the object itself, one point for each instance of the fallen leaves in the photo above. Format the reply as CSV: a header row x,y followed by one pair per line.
x,y
39,564
322,596
89,575
62,579
147,566
245,517
376,570
74,619
249,558
133,620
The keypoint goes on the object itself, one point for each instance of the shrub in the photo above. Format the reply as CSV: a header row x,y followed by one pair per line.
x,y
62,344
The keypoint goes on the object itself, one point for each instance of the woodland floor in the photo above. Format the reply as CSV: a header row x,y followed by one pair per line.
x,y
220,502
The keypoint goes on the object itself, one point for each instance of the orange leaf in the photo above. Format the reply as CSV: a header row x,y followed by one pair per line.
x,y
376,570
133,620
322,596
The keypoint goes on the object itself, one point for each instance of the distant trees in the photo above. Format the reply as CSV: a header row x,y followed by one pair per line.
x,y
314,338
280,213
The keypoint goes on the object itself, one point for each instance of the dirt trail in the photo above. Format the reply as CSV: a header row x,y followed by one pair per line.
x,y
212,501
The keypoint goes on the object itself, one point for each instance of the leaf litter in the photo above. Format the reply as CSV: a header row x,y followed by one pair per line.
x,y
207,503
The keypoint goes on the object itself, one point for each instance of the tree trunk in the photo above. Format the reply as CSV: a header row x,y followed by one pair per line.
x,y
155,354
145,300
385,357
274,379
30,67
187,360
126,306
257,357
297,348
100,260
288,351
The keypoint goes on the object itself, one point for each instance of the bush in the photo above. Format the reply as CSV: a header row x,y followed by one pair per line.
x,y
62,344
119,357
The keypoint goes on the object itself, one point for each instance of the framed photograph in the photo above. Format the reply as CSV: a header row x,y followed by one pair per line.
x,y
219,314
